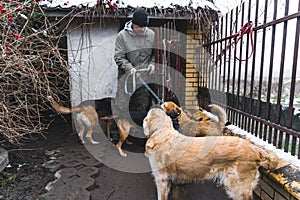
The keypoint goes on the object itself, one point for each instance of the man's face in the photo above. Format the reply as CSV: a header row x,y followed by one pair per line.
x,y
139,29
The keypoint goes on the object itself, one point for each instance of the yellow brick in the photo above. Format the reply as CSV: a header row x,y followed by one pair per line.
x,y
191,69
188,84
191,39
192,60
192,65
189,56
196,104
190,89
190,99
192,80
189,75
191,47
189,93
188,104
192,75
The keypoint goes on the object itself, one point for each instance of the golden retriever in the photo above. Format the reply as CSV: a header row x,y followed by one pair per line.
x,y
206,126
174,157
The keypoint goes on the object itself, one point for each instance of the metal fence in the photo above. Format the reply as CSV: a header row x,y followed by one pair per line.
x,y
253,70
169,61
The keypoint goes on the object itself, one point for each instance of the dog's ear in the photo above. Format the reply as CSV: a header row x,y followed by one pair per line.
x,y
148,147
163,106
149,144
179,110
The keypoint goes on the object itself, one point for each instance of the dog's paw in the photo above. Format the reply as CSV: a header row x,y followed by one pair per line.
x,y
124,155
94,142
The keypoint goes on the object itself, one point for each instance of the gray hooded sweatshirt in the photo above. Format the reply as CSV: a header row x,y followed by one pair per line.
x,y
133,50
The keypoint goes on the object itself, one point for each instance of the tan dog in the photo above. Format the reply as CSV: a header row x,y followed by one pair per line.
x,y
206,126
124,127
87,118
232,161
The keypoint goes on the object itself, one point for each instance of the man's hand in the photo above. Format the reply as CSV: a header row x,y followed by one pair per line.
x,y
151,69
133,70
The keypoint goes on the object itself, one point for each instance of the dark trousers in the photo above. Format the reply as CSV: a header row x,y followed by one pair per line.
x,y
139,101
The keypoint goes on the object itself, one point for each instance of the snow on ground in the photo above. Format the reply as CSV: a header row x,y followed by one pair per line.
x,y
259,142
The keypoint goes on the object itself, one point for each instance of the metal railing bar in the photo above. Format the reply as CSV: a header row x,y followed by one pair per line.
x,y
264,25
221,47
224,70
271,69
281,71
262,60
234,62
294,71
253,60
266,122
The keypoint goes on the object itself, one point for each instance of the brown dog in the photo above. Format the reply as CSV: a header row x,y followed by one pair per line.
x,y
232,161
87,118
206,126
124,127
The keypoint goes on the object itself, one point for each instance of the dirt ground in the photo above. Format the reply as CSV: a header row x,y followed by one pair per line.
x,y
26,178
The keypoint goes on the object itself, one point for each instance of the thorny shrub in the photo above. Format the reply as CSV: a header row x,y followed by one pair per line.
x,y
33,65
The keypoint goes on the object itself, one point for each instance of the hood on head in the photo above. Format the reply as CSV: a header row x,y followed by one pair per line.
x,y
128,27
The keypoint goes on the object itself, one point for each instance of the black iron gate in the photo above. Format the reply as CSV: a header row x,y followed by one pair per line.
x,y
263,91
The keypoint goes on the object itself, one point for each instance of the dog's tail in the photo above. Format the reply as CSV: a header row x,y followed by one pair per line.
x,y
62,109
269,160
220,112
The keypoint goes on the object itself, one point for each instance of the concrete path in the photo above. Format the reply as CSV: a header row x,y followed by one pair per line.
x,y
80,174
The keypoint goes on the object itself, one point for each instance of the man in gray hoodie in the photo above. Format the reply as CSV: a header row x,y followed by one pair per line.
x,y
133,51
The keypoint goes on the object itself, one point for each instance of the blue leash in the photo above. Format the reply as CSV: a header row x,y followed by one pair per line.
x,y
151,91
143,82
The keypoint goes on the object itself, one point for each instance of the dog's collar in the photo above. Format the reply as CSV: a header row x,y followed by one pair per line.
x,y
152,132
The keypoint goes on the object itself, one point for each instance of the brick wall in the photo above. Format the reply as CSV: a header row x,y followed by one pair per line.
x,y
269,189
193,40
